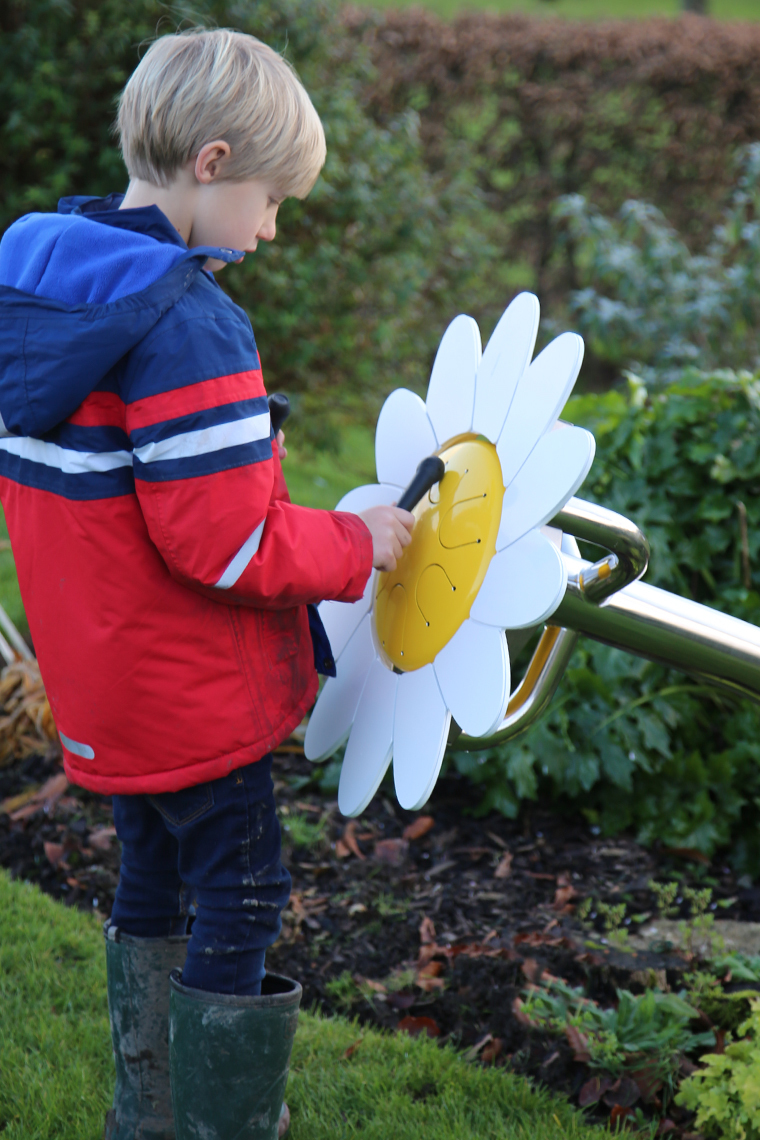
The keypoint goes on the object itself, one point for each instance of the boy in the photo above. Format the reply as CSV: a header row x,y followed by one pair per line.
x,y
164,570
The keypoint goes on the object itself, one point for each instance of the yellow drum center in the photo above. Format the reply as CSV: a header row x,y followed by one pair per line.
x,y
422,603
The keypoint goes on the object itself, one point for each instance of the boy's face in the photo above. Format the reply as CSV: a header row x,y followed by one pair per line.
x,y
234,215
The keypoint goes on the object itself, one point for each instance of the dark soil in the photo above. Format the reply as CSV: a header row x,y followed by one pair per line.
x,y
437,930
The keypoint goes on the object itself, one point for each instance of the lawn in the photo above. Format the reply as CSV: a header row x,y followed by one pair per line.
x,y
580,9
56,1076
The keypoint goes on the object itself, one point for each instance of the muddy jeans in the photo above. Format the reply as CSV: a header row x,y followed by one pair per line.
x,y
217,846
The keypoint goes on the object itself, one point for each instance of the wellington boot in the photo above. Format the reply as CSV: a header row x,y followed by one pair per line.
x,y
229,1058
138,1004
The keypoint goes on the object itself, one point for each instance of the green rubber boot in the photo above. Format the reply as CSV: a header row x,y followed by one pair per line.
x,y
138,1004
229,1059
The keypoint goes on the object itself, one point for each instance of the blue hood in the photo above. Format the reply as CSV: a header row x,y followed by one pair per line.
x,y
78,290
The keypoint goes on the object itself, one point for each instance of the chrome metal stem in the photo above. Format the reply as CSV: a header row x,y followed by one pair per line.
x,y
630,549
605,600
679,633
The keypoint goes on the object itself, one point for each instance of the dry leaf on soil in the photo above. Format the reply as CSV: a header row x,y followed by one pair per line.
x,y
578,1043
416,1025
419,827
101,838
349,838
392,852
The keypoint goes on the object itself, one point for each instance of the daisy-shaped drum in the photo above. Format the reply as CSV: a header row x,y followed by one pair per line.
x,y
426,643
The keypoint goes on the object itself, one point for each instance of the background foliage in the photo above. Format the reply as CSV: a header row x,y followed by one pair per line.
x,y
633,744
539,109
649,299
348,302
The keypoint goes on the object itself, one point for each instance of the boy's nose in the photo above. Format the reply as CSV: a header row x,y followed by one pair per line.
x,y
267,231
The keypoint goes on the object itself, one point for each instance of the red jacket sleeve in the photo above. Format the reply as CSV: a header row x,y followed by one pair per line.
x,y
210,486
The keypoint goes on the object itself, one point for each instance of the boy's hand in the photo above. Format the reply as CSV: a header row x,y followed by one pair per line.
x,y
391,530
281,445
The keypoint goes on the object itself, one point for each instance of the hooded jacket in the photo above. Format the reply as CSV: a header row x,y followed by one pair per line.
x,y
164,571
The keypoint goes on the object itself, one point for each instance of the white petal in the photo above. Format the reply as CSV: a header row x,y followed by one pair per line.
x,y
420,731
334,712
507,355
524,584
451,392
473,672
550,476
370,495
541,394
554,535
370,745
403,437
340,619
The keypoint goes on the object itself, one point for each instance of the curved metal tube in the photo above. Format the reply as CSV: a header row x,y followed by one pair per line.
x,y
630,549
532,696
679,633
636,618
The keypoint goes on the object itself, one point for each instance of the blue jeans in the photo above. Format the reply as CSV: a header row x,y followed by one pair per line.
x,y
216,845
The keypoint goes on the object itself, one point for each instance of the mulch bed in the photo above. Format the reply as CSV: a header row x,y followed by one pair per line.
x,y
430,923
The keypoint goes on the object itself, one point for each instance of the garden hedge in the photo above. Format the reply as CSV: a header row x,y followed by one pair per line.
x,y
449,144
351,297
541,108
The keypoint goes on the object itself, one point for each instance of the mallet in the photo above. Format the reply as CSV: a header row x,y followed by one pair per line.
x,y
429,472
279,410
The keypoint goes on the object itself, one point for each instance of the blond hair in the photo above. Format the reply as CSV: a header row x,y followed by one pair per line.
x,y
200,85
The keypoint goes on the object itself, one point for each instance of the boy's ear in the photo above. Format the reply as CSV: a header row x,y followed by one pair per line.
x,y
210,159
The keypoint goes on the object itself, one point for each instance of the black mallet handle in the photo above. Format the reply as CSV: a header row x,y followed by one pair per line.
x,y
429,472
279,410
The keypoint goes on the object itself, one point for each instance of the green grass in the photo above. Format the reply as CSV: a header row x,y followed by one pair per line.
x,y
56,1069
320,479
314,480
580,9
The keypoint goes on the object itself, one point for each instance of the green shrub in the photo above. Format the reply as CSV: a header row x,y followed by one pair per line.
x,y
539,108
725,1094
633,744
647,1030
651,301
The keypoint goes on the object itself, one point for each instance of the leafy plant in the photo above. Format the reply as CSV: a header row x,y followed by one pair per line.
x,y
388,906
631,743
650,300
742,967
665,896
302,832
699,937
648,1031
725,1094
613,919
343,991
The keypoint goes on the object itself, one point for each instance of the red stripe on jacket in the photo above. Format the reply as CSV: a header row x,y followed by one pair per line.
x,y
195,398
100,409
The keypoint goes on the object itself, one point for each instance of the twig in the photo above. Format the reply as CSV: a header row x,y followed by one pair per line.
x,y
746,575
